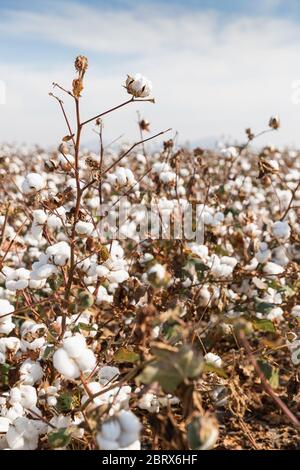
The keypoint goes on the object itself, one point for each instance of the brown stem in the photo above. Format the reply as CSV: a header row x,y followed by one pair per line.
x,y
279,403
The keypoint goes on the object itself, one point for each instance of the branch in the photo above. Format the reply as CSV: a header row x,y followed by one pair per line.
x,y
132,100
280,404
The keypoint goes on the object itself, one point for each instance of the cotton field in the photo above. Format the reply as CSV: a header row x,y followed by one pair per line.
x,y
149,299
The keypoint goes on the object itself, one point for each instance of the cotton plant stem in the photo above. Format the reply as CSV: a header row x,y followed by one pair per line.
x,y
132,100
76,213
265,384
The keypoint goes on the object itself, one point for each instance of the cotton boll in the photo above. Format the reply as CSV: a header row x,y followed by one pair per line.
x,y
22,435
33,182
295,312
111,430
272,269
6,324
129,422
30,372
65,365
281,230
39,216
213,359
229,152
105,444
75,345
84,228
86,361
138,86
25,395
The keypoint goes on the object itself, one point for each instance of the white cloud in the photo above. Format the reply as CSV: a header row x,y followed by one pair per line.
x,y
211,75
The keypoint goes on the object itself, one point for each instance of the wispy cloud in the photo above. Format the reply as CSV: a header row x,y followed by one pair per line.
x,y
212,74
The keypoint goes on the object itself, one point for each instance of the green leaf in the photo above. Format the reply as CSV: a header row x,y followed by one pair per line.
x,y
270,372
262,324
264,307
64,402
172,367
59,438
126,355
85,327
207,367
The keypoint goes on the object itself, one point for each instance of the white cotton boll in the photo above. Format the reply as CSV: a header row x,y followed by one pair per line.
x,y
229,152
167,177
117,276
103,296
84,228
39,216
264,254
281,230
11,344
25,395
74,345
86,361
65,365
149,402
33,182
111,430
105,444
4,424
296,311
61,248
36,231
138,86
37,284
5,307
129,422
199,250
22,435
43,272
272,268
213,359
14,439
30,372
100,270
275,313
157,272
15,411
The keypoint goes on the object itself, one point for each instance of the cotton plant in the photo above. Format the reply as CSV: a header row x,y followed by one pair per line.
x,y
95,323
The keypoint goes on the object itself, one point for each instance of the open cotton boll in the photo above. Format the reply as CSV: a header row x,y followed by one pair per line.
x,y
39,216
120,432
30,372
18,279
65,365
272,268
22,435
229,152
74,345
296,311
281,230
213,359
86,361
103,296
6,323
138,86
25,395
59,253
84,228
33,182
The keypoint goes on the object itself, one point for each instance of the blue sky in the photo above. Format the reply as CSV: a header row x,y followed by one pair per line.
x,y
216,66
